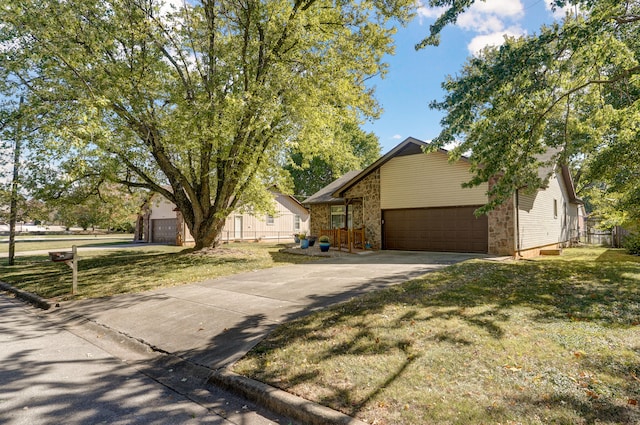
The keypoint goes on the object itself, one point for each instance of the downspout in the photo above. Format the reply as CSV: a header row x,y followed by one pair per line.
x,y
518,254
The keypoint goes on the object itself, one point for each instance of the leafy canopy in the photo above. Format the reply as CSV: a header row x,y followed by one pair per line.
x,y
198,101
569,94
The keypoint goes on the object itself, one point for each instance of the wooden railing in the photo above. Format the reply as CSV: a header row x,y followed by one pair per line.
x,y
345,238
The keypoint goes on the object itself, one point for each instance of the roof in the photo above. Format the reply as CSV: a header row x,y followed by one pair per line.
x,y
325,195
409,146
334,192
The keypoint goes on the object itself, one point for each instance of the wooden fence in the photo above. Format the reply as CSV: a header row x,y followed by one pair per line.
x,y
348,239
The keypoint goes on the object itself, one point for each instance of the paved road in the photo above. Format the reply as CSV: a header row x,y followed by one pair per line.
x,y
53,374
214,323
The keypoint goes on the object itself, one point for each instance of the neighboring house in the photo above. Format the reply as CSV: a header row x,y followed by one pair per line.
x,y
408,200
161,222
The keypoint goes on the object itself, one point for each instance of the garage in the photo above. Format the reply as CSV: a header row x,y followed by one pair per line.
x,y
163,230
446,229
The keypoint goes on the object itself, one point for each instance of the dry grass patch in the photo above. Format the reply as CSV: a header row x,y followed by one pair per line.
x,y
105,273
554,340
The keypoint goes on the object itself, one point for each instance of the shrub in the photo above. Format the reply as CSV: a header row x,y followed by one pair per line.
x,y
324,239
633,244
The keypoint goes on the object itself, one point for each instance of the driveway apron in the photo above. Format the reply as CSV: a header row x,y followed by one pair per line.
x,y
215,322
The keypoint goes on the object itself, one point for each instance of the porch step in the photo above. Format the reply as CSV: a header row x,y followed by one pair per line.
x,y
554,251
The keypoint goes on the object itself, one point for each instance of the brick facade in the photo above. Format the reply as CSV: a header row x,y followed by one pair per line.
x,y
320,218
368,213
502,228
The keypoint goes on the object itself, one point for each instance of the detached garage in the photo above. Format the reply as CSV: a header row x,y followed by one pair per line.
x,y
409,200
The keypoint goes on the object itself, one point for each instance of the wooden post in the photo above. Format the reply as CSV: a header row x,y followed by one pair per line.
x,y
74,269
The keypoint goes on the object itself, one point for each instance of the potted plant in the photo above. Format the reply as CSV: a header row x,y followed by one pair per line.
x,y
296,238
304,242
312,240
324,243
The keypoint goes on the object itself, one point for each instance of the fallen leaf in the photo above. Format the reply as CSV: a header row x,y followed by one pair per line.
x,y
632,402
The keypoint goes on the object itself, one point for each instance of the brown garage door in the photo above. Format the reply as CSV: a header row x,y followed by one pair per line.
x,y
163,230
451,229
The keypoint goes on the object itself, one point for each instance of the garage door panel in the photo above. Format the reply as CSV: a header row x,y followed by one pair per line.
x,y
164,230
452,229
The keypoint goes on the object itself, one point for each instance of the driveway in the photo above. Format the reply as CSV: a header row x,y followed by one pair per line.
x,y
215,322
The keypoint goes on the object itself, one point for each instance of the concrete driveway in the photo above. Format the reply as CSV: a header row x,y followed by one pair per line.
x,y
215,322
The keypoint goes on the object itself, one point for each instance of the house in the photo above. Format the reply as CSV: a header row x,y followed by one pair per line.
x,y
161,222
408,200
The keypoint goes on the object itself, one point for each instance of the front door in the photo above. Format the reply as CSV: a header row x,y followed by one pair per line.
x,y
237,227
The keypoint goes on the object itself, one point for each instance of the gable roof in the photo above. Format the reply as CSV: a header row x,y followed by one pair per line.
x,y
325,195
411,146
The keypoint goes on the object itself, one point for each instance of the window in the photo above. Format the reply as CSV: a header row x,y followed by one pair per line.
x,y
555,208
338,217
269,220
296,222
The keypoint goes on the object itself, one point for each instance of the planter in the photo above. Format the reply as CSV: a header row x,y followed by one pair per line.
x,y
324,246
296,239
312,240
304,243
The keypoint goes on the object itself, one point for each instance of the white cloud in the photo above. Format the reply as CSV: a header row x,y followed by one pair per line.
x,y
491,15
428,12
480,23
493,39
396,137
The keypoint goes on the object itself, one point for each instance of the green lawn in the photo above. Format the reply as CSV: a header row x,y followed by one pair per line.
x,y
554,340
109,272
44,244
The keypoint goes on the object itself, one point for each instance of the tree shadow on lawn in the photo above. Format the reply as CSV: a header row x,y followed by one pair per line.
x,y
485,296
115,272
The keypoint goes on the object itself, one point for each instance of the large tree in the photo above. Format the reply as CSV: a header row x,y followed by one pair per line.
x,y
197,100
351,148
570,93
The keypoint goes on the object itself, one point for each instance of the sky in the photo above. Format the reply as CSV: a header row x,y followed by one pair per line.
x,y
414,78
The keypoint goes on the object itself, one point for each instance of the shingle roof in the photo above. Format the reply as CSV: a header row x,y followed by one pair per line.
x,y
323,196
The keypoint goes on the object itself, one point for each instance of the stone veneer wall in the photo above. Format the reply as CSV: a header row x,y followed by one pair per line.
x,y
320,215
502,228
370,216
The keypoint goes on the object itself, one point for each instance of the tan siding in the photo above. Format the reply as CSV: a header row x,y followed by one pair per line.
x,y
161,207
256,227
538,226
419,181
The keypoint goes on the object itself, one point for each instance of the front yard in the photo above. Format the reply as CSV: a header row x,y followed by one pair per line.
x,y
549,341
118,271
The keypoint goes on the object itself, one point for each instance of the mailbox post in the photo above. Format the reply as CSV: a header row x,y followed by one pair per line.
x,y
70,258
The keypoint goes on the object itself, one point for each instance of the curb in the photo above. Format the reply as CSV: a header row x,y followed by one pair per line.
x,y
280,401
26,296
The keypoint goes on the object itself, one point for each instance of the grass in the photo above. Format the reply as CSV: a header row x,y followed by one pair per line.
x,y
44,244
105,273
549,341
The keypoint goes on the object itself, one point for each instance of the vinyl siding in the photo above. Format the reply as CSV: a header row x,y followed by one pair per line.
x,y
161,208
538,226
422,181
256,227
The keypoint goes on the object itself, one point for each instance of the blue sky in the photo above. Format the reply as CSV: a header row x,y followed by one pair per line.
x,y
414,77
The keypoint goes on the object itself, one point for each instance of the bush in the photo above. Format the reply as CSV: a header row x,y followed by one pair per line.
x,y
324,239
633,244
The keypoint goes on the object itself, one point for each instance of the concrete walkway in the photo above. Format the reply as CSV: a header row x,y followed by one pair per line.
x,y
215,322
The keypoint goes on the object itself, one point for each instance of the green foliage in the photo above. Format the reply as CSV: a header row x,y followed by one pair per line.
x,y
324,239
196,102
569,94
632,244
349,149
